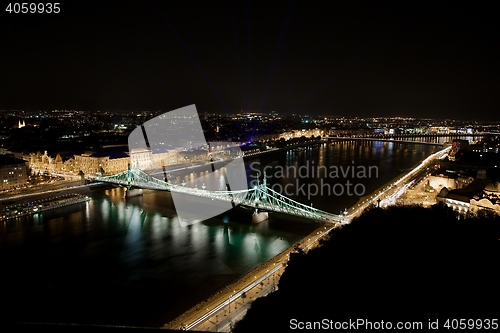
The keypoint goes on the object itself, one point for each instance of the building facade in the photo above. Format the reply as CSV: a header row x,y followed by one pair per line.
x,y
13,172
90,163
106,162
94,164
145,159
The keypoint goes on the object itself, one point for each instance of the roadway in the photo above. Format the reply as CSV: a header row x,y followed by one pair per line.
x,y
389,193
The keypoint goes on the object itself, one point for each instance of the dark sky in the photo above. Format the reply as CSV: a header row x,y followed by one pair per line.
x,y
345,58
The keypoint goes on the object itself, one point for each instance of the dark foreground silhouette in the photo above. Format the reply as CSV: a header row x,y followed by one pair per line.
x,y
395,264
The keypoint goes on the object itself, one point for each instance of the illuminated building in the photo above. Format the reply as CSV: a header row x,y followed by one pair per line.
x,y
481,194
488,199
96,163
106,161
145,159
13,172
90,163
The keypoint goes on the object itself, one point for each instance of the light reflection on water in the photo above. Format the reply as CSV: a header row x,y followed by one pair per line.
x,y
133,256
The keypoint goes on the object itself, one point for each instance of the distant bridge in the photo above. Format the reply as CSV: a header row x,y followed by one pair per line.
x,y
403,138
333,138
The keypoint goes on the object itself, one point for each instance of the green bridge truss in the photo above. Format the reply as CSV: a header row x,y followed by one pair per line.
x,y
260,197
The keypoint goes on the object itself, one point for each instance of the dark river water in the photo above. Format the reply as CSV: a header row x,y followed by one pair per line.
x,y
118,261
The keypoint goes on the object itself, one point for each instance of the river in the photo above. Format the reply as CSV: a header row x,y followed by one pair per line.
x,y
116,261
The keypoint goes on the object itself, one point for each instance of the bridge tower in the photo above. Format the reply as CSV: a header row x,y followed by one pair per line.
x,y
260,197
228,187
129,192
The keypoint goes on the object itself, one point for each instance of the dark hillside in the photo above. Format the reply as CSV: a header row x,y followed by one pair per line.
x,y
394,264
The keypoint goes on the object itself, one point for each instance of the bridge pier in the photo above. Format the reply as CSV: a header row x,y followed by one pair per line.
x,y
133,192
259,216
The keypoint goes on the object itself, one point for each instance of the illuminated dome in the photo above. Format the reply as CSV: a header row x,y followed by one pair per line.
x,y
492,188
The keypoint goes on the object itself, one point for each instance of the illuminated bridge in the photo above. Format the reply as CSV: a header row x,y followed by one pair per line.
x,y
260,197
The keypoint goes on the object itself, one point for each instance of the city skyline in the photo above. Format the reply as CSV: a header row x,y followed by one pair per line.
x,y
347,59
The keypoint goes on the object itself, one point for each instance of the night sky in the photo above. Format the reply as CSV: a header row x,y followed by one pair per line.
x,y
347,58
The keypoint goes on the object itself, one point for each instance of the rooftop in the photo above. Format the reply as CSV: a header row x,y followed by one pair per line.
x,y
9,159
